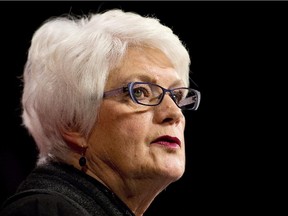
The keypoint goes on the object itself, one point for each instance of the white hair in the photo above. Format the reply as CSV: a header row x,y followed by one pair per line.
x,y
68,63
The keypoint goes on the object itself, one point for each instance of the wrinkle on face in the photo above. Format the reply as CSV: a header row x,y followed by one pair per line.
x,y
120,141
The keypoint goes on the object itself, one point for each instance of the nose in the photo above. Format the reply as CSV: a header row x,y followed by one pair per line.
x,y
168,112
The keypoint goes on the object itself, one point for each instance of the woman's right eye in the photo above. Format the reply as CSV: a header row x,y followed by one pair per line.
x,y
140,93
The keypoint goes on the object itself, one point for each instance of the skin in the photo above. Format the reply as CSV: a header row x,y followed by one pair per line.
x,y
120,151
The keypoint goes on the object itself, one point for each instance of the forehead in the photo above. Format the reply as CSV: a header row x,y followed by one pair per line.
x,y
143,64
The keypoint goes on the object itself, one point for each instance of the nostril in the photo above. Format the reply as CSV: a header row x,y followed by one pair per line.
x,y
167,120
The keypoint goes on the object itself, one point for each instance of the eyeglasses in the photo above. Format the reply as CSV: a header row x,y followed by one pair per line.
x,y
150,94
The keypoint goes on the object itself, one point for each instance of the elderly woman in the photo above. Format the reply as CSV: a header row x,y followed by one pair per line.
x,y
103,99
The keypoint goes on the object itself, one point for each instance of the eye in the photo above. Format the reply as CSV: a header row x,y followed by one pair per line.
x,y
141,92
178,95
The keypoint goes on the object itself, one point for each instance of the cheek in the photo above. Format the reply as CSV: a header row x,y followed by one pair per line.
x,y
121,123
131,131
119,136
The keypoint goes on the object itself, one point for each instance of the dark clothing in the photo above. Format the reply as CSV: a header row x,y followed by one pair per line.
x,y
59,189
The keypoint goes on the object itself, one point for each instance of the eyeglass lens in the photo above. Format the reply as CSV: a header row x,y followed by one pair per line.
x,y
152,94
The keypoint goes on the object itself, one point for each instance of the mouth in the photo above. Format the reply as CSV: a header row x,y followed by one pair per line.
x,y
167,141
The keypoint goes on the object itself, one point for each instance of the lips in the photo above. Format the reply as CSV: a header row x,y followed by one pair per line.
x,y
167,141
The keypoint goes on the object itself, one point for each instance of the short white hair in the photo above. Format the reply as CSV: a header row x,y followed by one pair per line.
x,y
68,63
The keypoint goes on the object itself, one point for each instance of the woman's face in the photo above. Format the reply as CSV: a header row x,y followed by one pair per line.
x,y
135,141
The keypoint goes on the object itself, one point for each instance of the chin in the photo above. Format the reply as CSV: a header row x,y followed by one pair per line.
x,y
174,173
178,176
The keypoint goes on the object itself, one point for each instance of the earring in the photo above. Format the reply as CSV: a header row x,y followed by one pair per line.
x,y
82,160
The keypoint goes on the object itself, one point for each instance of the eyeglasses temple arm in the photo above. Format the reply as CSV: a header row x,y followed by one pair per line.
x,y
115,92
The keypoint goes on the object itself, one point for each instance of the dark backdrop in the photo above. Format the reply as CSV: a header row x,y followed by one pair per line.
x,y
236,50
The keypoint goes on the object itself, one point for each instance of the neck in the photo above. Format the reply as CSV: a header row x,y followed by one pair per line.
x,y
137,193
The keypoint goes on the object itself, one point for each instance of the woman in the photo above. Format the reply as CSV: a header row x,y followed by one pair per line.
x,y
103,99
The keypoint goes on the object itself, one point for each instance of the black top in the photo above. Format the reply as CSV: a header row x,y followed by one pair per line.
x,y
60,189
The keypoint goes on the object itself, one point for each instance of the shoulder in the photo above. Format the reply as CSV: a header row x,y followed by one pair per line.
x,y
37,204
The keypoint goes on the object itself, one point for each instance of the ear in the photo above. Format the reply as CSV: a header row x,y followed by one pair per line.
x,y
74,140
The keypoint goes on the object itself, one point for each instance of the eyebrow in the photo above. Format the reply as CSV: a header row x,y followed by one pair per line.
x,y
139,77
145,78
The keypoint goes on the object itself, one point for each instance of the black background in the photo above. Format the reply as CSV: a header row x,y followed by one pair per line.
x,y
238,52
